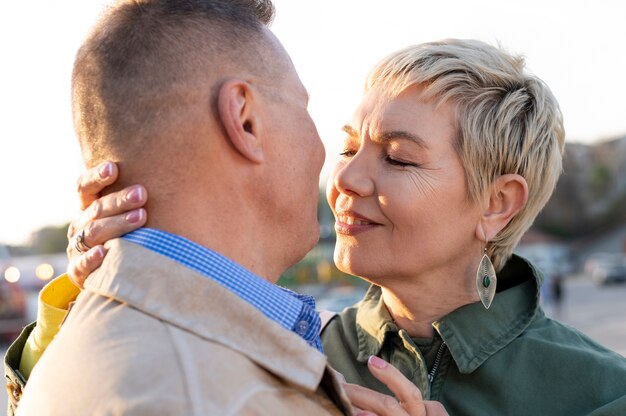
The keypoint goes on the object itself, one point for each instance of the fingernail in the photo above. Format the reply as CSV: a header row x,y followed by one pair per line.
x,y
135,194
376,362
96,253
134,216
106,170
341,378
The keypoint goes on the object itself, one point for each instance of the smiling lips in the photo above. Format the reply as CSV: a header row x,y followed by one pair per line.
x,y
351,223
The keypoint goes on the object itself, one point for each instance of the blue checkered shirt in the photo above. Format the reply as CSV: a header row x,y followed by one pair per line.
x,y
291,310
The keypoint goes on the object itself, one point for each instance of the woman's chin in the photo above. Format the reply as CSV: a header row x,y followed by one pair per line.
x,y
354,266
344,264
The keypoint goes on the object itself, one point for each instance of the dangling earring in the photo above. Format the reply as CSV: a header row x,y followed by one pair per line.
x,y
486,280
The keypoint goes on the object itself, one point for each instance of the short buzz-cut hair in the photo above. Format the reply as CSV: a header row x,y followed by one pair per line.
x,y
507,120
136,71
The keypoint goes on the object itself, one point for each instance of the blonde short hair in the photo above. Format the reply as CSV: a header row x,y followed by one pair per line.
x,y
508,121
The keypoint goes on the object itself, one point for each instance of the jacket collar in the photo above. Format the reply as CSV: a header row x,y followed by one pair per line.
x,y
178,295
373,324
472,333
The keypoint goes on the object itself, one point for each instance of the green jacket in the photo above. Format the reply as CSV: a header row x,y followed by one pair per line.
x,y
15,380
508,360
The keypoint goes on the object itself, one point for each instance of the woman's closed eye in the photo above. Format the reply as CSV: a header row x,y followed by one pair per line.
x,y
398,162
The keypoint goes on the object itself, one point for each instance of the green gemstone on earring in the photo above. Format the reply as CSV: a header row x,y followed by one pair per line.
x,y
486,281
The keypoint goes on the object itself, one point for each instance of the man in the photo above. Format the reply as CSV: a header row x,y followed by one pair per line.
x,y
198,101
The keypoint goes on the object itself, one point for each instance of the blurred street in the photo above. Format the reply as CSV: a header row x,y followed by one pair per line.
x,y
598,311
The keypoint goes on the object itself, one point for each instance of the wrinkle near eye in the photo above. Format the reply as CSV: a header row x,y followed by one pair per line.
x,y
424,182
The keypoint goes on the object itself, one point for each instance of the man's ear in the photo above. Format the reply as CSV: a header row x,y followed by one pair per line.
x,y
507,197
237,112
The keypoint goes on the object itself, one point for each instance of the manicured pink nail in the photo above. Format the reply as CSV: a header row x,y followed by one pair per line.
x,y
134,216
376,362
106,170
135,194
97,253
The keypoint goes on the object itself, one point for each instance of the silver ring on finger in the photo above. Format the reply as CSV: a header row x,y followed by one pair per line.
x,y
79,242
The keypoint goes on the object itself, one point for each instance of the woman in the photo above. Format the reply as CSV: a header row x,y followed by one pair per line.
x,y
449,158
446,163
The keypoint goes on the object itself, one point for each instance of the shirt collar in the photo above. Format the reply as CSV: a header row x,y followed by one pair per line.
x,y
472,333
292,311
160,287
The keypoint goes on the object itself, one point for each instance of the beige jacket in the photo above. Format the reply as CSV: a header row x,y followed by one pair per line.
x,y
149,336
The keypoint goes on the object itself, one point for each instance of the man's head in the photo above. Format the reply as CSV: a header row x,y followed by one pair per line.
x,y
199,101
146,62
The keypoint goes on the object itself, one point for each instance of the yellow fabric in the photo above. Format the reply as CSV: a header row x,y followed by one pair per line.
x,y
54,302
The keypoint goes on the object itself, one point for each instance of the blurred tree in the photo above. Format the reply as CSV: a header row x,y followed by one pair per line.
x,y
591,194
600,180
49,240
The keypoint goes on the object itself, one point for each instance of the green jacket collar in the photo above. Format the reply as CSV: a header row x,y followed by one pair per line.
x,y
373,323
470,344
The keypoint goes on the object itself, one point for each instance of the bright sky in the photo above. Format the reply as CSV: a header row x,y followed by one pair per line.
x,y
576,46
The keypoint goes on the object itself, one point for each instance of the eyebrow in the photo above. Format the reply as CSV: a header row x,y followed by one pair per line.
x,y
349,131
389,135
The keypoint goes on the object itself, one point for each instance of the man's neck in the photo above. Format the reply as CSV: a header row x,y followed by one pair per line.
x,y
233,236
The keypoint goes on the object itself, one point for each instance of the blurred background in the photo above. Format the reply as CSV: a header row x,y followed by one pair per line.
x,y
579,240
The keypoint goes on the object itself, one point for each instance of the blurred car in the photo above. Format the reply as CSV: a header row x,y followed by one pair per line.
x,y
18,276
12,310
605,268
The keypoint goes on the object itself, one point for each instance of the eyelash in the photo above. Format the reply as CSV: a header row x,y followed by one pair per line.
x,y
388,159
395,162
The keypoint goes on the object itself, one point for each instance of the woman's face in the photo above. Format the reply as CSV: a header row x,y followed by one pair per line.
x,y
399,193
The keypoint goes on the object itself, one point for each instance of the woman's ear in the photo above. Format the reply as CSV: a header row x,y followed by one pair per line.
x,y
507,197
237,113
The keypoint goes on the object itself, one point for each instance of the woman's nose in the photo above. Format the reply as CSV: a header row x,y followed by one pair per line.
x,y
355,176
